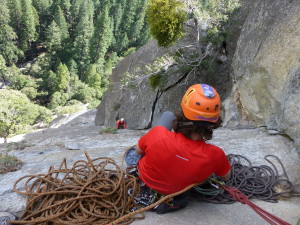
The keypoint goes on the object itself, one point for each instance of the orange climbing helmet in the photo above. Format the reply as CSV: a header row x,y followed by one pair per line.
x,y
201,102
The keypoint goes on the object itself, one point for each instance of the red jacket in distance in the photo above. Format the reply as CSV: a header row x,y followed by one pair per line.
x,y
120,124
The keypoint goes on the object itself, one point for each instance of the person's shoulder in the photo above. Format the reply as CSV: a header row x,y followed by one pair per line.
x,y
213,147
159,128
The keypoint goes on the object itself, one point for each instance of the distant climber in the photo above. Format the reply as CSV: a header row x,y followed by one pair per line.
x,y
121,124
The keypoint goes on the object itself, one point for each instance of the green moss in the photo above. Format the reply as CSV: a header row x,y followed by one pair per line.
x,y
108,130
155,80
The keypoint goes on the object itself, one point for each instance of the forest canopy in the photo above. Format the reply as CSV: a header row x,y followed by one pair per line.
x,y
66,49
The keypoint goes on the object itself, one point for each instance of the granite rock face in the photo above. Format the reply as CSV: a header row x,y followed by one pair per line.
x,y
141,104
266,68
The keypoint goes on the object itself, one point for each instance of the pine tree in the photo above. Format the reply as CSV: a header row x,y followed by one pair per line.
x,y
72,66
36,21
53,37
62,78
65,5
138,21
144,35
60,20
102,37
50,82
41,6
8,48
92,78
15,10
84,33
28,31
128,17
74,16
122,42
45,16
117,12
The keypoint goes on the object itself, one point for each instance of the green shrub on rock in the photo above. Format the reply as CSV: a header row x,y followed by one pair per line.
x,y
108,130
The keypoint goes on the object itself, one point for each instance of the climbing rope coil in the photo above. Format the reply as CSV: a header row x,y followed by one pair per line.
x,y
91,192
96,191
256,182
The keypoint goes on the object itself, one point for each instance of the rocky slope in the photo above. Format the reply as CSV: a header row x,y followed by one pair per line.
x,y
72,139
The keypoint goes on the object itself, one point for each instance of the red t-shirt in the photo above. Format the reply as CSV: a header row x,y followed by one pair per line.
x,y
120,123
173,162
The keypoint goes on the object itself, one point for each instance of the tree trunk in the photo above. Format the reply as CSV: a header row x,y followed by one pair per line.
x,y
198,45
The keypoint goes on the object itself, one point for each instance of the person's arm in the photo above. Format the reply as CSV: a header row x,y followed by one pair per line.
x,y
226,176
222,163
124,125
139,151
166,120
117,124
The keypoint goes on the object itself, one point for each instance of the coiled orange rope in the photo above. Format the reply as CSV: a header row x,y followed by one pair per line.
x,y
91,192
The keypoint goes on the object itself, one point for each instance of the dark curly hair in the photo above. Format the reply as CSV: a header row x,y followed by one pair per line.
x,y
185,126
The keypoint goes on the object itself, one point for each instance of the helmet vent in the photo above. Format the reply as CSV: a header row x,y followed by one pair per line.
x,y
216,107
198,103
207,108
191,91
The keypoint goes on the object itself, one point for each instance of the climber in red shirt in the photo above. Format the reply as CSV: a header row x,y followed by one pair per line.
x,y
121,124
172,161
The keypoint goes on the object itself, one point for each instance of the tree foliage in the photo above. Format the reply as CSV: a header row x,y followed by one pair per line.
x,y
102,37
60,20
17,111
92,78
166,19
62,78
8,49
53,37
28,25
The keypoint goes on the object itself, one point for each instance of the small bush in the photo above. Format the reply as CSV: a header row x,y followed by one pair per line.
x,y
108,130
128,51
158,81
9,163
73,102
